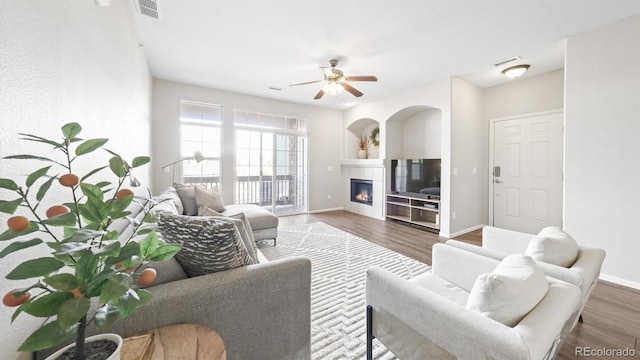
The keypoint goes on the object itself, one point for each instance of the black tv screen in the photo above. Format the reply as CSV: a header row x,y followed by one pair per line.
x,y
416,176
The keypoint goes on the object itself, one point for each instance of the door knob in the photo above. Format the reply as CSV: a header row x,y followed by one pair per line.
x,y
497,181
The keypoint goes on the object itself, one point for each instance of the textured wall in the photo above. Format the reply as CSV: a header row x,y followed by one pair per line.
x,y
63,61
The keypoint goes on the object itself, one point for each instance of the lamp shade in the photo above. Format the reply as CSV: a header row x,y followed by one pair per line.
x,y
198,156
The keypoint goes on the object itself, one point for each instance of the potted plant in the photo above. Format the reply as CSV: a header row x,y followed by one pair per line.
x,y
363,146
88,259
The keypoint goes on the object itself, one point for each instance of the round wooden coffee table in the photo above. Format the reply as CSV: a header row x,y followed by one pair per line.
x,y
175,342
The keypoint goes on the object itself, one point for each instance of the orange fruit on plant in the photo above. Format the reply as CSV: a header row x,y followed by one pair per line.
x,y
57,210
10,299
18,223
69,180
122,193
147,277
76,293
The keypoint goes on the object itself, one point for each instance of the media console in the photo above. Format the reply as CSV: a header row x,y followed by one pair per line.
x,y
414,210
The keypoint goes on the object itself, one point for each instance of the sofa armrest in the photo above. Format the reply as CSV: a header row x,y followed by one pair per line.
x,y
494,254
261,311
508,241
460,267
416,323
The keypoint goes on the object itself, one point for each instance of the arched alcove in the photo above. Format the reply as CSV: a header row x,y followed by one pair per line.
x,y
361,128
414,132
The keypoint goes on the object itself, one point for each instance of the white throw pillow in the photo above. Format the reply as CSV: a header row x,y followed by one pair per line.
x,y
209,198
554,246
513,289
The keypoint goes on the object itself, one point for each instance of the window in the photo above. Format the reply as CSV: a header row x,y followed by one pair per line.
x,y
201,130
271,161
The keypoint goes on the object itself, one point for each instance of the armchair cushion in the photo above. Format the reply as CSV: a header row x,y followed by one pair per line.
x,y
507,294
553,246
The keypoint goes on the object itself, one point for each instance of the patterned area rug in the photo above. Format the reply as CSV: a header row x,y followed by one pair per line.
x,y
339,262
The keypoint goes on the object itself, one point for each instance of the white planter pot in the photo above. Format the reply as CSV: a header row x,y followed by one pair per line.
x,y
362,154
113,337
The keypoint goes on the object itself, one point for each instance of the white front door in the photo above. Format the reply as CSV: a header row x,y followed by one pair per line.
x,y
527,172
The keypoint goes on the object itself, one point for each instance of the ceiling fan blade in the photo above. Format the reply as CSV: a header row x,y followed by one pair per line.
x,y
355,92
361,78
327,71
305,83
319,94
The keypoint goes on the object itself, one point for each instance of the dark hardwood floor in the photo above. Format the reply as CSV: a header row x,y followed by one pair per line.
x,y
611,317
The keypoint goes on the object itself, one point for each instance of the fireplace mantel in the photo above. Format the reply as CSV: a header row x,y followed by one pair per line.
x,y
362,162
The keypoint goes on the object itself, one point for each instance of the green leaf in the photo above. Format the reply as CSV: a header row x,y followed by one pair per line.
x,y
118,167
19,245
67,219
91,173
10,207
47,305
94,211
106,316
64,282
103,184
8,184
92,191
34,176
164,252
149,244
48,336
73,248
71,130
110,249
126,253
128,302
8,235
89,146
72,311
30,137
33,157
95,286
111,235
116,286
86,266
81,235
35,268
44,188
139,161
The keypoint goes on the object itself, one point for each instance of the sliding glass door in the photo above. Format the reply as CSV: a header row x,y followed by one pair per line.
x,y
271,168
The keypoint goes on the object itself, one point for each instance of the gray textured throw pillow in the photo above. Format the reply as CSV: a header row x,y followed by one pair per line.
x,y
244,228
209,244
188,198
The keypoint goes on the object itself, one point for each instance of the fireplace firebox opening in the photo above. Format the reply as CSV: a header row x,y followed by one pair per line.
x,y
362,191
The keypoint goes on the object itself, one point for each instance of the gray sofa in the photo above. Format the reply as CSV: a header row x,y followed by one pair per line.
x,y
261,311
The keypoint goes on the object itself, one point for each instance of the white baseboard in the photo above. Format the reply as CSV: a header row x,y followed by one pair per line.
x,y
325,210
620,281
473,228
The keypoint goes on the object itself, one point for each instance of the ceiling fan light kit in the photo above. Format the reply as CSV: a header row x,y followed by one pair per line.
x,y
515,71
337,81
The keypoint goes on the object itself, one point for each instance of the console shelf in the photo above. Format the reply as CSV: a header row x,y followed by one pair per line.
x,y
414,210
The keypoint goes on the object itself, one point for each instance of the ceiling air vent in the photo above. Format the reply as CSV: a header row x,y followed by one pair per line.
x,y
148,8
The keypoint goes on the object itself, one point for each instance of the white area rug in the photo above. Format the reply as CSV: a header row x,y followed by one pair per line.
x,y
339,262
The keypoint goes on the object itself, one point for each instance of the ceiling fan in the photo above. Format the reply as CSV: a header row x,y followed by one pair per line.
x,y
337,81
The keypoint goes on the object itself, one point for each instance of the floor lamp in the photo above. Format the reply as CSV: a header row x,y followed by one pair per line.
x,y
197,156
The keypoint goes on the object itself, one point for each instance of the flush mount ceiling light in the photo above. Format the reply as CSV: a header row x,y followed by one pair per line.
x,y
515,71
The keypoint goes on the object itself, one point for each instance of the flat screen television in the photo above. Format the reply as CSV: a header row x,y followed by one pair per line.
x,y
416,177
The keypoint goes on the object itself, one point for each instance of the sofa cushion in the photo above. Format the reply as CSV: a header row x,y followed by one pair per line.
x,y
258,217
188,198
513,289
210,198
171,194
167,271
243,226
554,246
209,244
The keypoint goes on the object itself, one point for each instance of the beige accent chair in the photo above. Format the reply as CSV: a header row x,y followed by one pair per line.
x,y
427,318
498,243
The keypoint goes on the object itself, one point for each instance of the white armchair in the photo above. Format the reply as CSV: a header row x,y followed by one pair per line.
x,y
427,318
498,243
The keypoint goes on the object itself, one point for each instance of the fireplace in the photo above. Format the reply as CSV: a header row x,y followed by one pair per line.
x,y
362,191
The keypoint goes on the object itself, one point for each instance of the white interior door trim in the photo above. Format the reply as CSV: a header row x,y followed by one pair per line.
x,y
492,124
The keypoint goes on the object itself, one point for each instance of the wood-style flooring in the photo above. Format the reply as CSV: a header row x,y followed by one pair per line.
x,y
611,317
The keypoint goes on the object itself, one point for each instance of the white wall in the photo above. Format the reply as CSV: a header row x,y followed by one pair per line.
x,y
469,160
63,61
602,144
421,135
325,137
